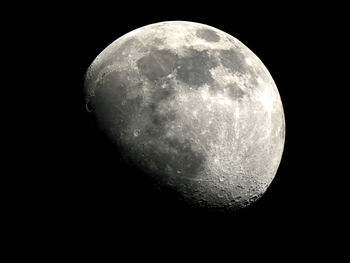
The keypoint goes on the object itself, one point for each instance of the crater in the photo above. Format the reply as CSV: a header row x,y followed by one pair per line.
x,y
194,69
157,64
208,35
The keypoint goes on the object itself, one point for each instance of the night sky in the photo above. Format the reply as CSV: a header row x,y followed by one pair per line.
x,y
81,193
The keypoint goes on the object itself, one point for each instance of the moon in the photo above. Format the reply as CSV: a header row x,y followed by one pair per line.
x,y
193,108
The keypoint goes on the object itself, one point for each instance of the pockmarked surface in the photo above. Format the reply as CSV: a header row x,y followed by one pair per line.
x,y
194,108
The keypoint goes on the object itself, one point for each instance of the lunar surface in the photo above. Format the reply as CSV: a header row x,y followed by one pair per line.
x,y
193,108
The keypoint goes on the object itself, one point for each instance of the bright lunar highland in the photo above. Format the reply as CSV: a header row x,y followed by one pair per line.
x,y
193,108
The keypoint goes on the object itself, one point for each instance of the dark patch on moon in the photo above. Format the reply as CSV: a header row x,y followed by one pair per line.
x,y
187,161
162,94
175,158
215,88
194,68
157,63
161,119
159,41
158,96
235,92
208,35
233,60
169,156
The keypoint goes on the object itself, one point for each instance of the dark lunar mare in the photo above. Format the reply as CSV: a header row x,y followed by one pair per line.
x,y
194,68
235,92
157,64
233,60
208,35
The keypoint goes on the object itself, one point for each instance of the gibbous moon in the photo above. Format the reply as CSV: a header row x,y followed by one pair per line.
x,y
193,108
